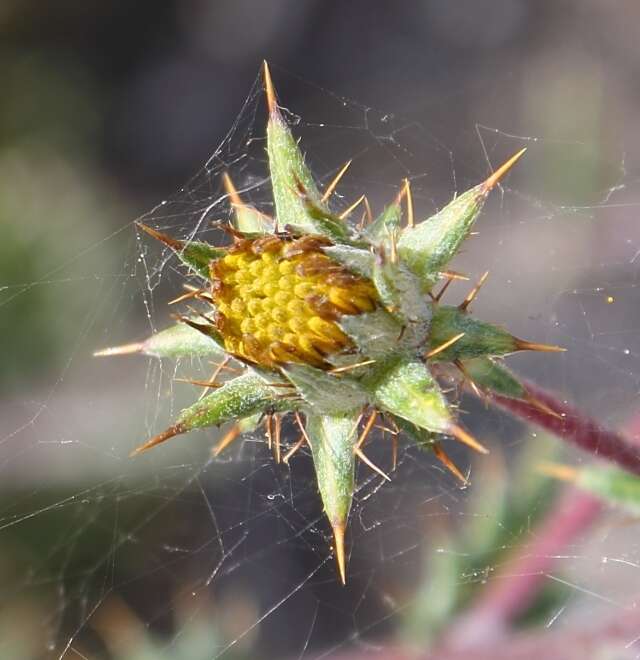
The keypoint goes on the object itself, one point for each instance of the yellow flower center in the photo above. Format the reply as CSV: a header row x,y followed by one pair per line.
x,y
278,300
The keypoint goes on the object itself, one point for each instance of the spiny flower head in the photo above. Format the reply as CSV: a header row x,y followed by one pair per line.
x,y
278,300
339,326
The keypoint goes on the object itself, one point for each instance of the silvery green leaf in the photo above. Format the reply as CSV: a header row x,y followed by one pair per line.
x,y
387,223
323,392
197,255
178,341
406,388
250,221
615,486
480,339
428,247
375,333
400,292
182,341
490,375
357,260
333,438
293,185
240,397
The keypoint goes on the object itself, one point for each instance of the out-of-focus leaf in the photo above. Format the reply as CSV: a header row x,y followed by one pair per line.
x,y
437,598
615,486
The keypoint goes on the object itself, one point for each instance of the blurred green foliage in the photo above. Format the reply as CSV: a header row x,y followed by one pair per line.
x,y
458,559
54,208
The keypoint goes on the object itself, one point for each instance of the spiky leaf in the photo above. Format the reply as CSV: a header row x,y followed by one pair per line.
x,y
240,397
196,255
249,220
323,392
406,388
480,339
489,375
332,439
429,246
293,185
615,486
399,291
386,224
182,341
377,334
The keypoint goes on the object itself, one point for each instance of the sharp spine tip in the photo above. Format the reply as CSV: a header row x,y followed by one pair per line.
x,y
231,190
335,181
495,178
227,439
338,536
444,345
542,406
471,296
466,438
443,457
169,241
272,104
125,349
409,198
172,431
523,345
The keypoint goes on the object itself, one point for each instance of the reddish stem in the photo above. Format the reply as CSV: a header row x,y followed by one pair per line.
x,y
613,638
575,427
513,590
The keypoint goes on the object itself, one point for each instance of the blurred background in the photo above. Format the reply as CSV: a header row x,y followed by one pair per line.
x,y
109,108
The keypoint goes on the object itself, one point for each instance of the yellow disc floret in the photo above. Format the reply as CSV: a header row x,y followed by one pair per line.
x,y
278,299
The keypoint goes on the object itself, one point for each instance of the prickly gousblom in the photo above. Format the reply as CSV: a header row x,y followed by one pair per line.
x,y
278,300
341,326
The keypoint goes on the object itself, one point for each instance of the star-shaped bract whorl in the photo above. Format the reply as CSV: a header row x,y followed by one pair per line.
x,y
336,325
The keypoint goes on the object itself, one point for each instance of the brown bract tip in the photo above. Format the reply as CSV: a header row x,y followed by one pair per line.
x,y
172,431
490,183
471,296
335,181
444,345
272,104
542,406
405,193
169,241
338,535
523,345
126,349
443,457
466,438
227,439
231,190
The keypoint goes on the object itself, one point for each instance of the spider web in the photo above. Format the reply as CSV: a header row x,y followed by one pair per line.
x,y
178,554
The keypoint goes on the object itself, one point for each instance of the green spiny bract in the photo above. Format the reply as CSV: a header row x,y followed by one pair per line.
x,y
337,325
